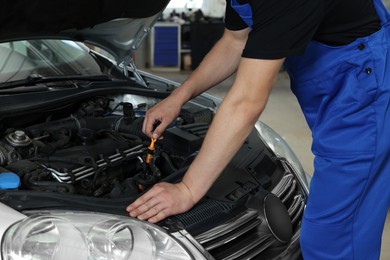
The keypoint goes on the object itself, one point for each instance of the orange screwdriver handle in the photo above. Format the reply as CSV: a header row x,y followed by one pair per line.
x,y
150,151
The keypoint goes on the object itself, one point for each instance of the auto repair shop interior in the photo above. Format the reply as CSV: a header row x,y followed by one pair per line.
x,y
73,153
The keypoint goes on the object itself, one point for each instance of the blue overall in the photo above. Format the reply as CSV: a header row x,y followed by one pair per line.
x,y
344,93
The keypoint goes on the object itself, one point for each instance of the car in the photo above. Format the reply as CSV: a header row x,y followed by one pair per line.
x,y
73,155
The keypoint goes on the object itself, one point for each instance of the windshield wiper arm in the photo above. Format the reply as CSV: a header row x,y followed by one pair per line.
x,y
37,78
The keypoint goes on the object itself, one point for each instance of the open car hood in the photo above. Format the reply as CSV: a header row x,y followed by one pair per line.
x,y
117,26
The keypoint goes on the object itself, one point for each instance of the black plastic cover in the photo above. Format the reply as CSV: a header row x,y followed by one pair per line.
x,y
184,140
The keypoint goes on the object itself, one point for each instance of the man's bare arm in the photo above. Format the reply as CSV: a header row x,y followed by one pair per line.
x,y
221,62
233,122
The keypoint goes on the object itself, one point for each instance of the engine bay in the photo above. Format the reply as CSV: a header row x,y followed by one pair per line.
x,y
96,148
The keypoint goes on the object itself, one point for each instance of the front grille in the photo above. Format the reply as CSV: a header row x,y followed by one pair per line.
x,y
246,235
203,215
238,238
288,192
296,209
223,234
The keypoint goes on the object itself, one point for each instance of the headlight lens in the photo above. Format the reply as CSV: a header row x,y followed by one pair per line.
x,y
79,235
277,144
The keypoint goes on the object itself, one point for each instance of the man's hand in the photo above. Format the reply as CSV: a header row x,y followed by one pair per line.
x,y
164,112
161,201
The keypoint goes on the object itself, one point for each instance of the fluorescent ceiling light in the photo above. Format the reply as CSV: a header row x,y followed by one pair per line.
x,y
182,4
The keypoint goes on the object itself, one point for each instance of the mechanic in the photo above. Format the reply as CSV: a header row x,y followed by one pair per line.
x,y
336,53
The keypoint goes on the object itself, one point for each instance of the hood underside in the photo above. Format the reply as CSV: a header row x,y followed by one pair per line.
x,y
118,26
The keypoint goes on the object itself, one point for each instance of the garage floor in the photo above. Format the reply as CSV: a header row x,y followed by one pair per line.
x,y
284,115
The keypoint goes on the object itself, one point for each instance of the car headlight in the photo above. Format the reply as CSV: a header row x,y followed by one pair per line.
x,y
281,149
80,235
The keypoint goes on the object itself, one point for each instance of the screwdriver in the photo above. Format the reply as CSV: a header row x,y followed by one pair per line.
x,y
150,151
151,146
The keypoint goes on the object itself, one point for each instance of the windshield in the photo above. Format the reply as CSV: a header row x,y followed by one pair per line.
x,y
19,59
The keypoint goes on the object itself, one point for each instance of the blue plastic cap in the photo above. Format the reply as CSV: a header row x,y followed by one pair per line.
x,y
9,181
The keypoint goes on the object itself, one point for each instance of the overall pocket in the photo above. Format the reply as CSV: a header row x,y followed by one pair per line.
x,y
340,110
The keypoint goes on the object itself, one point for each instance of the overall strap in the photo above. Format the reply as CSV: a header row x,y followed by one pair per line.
x,y
382,12
244,11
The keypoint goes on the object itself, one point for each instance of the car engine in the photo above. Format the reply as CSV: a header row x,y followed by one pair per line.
x,y
99,149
